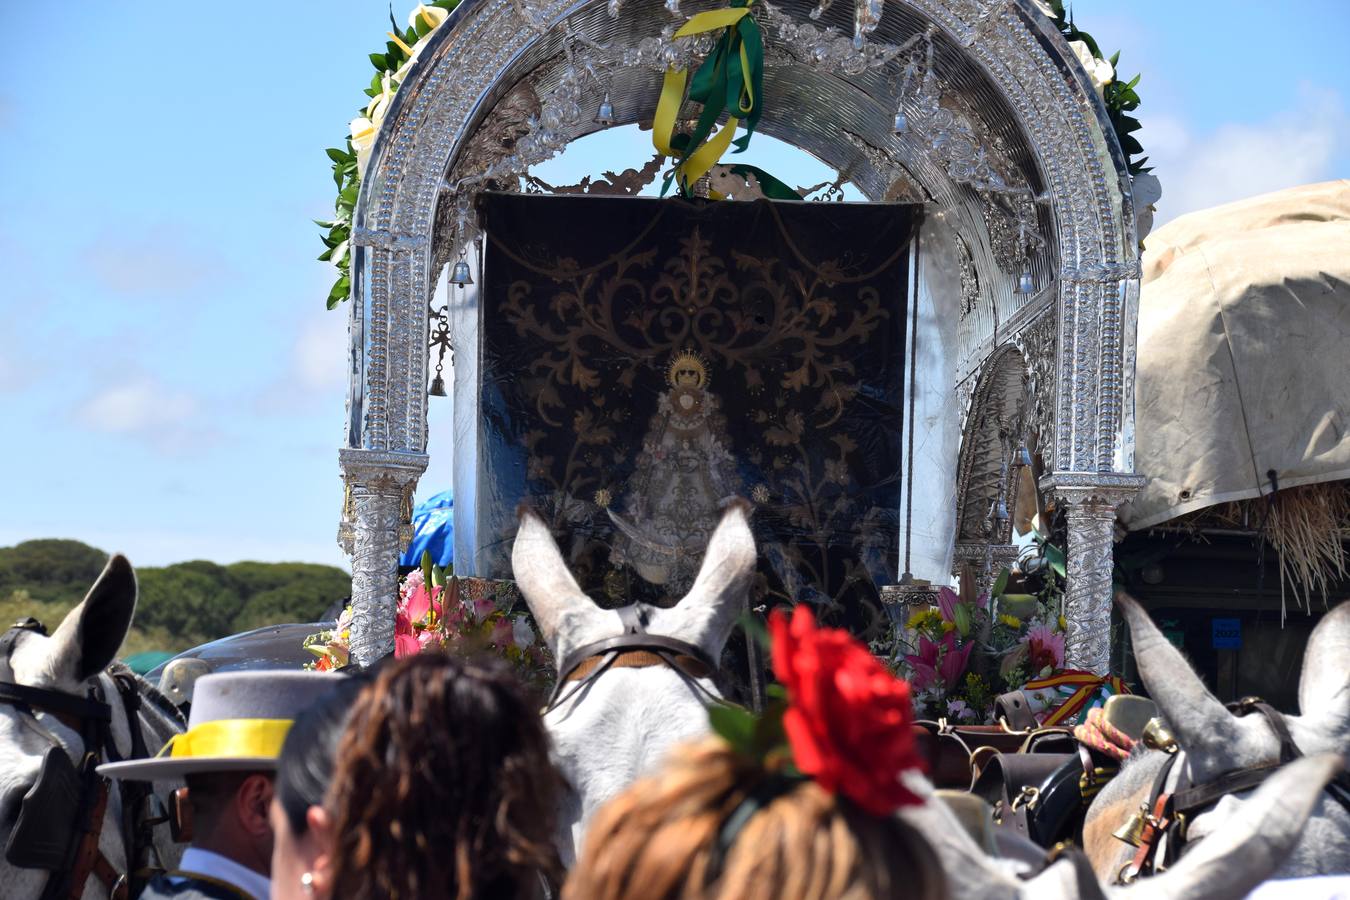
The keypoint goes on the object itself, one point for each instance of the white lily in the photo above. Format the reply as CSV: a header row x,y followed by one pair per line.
x,y
426,18
1147,190
363,140
379,104
1100,71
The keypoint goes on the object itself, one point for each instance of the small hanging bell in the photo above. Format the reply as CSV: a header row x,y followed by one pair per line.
x,y
1022,458
605,115
460,274
1001,510
901,123
437,388
1132,831
1026,284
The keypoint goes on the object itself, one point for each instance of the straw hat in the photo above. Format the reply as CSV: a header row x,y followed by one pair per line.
x,y
238,723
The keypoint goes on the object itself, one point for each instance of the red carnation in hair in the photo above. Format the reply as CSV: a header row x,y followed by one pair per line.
x,y
849,720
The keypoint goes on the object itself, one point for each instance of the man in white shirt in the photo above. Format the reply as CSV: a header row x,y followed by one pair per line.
x,y
227,756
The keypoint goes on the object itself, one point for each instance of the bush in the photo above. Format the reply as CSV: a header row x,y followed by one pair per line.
x,y
179,606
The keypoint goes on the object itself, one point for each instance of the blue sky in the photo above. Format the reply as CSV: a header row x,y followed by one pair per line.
x,y
170,383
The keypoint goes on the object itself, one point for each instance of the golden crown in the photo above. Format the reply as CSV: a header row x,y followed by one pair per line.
x,y
688,361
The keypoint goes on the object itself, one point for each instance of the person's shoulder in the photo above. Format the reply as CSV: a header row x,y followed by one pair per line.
x,y
182,886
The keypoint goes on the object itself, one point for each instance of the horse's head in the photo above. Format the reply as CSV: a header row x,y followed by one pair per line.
x,y
568,619
1216,740
32,737
621,723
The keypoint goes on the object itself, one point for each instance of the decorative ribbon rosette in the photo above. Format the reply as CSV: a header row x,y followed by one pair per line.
x,y
1065,697
846,719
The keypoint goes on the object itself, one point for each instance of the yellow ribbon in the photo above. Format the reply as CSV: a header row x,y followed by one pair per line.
x,y
672,95
667,108
705,157
237,738
712,20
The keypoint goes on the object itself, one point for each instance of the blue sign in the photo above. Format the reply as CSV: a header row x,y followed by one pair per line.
x,y
1226,634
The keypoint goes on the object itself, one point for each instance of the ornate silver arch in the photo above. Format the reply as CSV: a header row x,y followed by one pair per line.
x,y
1017,123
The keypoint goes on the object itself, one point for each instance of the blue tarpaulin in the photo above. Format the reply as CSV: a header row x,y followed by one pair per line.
x,y
433,531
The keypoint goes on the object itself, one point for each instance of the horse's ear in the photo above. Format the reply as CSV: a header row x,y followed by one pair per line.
x,y
1324,687
707,613
91,633
1252,843
565,615
1204,728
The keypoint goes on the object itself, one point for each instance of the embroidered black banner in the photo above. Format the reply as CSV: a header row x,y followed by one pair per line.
x,y
644,361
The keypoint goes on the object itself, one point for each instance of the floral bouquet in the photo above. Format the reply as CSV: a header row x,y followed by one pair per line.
x,y
438,611
962,654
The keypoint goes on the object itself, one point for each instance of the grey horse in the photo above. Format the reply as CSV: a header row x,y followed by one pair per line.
x,y
75,658
1215,741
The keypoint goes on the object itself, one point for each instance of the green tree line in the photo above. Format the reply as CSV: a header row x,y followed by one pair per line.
x,y
179,606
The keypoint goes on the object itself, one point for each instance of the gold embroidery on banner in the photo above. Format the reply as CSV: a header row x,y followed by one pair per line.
x,y
785,331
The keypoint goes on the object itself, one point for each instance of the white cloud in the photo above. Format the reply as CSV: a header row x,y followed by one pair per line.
x,y
1237,161
161,260
144,409
316,366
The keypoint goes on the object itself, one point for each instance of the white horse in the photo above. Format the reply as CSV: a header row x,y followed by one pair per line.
x,y
621,724
72,661
1215,741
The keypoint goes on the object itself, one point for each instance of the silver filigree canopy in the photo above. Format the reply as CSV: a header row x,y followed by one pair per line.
x,y
1010,132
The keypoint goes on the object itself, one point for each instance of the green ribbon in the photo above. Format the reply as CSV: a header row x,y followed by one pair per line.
x,y
731,78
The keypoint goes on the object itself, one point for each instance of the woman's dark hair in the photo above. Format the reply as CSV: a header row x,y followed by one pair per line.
x,y
443,786
305,766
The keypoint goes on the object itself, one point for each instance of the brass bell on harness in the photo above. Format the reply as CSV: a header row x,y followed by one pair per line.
x,y
1156,737
1132,831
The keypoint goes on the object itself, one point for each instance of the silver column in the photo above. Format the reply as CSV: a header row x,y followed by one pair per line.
x,y
1090,501
378,481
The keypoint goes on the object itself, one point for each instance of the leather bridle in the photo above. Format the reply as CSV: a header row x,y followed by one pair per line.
x,y
78,791
634,649
1168,815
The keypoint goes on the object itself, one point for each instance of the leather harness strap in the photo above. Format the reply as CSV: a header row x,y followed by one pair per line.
x,y
641,659
635,649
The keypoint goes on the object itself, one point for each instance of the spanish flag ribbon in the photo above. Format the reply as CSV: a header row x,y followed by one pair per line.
x,y
730,80
230,738
1085,685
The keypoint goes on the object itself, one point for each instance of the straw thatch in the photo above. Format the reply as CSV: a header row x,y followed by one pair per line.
x,y
1307,526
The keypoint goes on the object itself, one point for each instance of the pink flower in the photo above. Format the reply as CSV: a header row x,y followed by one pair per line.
x,y
954,661
483,607
1045,648
406,645
503,633
427,638
939,661
411,582
418,604
924,664
947,603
